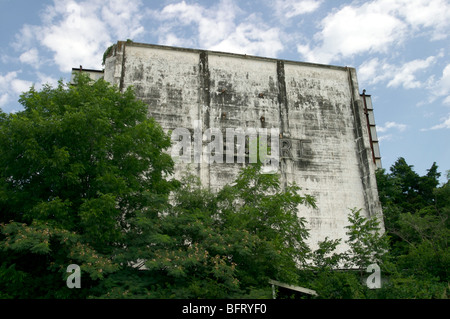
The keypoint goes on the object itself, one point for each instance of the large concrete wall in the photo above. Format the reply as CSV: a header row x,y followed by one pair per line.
x,y
317,109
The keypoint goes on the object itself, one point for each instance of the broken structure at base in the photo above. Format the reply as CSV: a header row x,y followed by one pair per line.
x,y
327,135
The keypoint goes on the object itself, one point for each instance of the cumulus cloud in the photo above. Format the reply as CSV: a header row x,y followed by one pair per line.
x,y
373,71
442,87
11,86
292,8
252,37
30,57
19,86
388,128
375,27
353,30
77,33
439,88
387,137
209,25
445,124
215,28
391,125
4,98
433,15
45,79
405,75
6,79
122,17
11,83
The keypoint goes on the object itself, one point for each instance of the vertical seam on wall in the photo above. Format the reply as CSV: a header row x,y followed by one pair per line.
x,y
122,75
282,98
205,100
359,139
283,112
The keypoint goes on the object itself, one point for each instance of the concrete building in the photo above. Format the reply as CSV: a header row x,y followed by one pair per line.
x,y
327,135
93,74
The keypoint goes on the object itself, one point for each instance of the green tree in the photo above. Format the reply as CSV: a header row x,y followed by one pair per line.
x,y
404,191
340,275
258,204
324,259
416,214
224,244
228,243
368,244
82,171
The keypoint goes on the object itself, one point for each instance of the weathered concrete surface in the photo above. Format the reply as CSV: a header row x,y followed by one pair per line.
x,y
317,109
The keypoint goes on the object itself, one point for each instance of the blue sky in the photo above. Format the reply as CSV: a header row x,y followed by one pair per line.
x,y
400,49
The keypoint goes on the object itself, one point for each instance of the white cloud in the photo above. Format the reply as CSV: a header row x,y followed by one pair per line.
x,y
25,39
405,75
292,8
444,125
439,88
30,57
7,78
9,83
253,38
443,85
4,98
11,86
45,79
391,125
353,30
79,32
446,100
375,27
185,13
124,17
374,71
431,14
210,25
19,86
171,39
387,137
215,28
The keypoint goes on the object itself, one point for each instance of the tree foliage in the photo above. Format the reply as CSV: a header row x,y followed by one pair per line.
x,y
85,179
416,213
339,275
80,168
225,244
368,245
413,252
